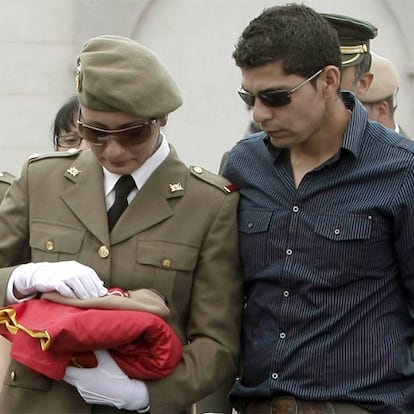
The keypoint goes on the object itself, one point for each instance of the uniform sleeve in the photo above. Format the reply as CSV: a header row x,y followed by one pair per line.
x,y
14,237
211,356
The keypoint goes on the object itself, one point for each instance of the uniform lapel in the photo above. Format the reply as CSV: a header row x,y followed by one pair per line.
x,y
151,205
86,197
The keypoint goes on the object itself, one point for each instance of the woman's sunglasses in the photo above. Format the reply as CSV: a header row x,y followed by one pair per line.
x,y
133,135
276,97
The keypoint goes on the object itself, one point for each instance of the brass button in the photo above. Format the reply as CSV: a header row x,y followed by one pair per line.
x,y
13,375
103,252
166,263
198,170
50,245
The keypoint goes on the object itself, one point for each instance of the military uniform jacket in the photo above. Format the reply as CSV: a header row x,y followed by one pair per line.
x,y
179,236
5,181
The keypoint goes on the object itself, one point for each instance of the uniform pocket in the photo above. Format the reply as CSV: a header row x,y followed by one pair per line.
x,y
167,255
50,238
168,267
18,375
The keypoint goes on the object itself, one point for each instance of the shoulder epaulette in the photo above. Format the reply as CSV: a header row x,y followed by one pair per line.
x,y
6,177
55,154
214,179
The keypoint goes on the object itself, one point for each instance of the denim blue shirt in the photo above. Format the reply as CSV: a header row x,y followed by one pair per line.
x,y
329,270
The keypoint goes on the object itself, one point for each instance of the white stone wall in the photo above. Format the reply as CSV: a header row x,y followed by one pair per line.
x,y
39,40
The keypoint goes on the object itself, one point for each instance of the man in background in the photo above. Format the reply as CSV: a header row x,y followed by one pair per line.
x,y
354,40
381,99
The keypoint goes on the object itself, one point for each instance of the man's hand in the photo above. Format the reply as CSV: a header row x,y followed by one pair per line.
x,y
70,278
107,384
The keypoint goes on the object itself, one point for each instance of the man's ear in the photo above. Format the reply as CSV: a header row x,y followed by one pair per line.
x,y
383,111
331,76
363,85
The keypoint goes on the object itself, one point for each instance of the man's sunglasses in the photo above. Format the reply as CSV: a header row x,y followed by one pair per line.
x,y
133,135
276,97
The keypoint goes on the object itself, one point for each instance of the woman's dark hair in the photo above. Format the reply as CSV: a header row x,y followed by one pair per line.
x,y
64,118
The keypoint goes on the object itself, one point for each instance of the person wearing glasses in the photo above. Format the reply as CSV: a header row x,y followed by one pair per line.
x,y
354,39
126,213
326,223
65,129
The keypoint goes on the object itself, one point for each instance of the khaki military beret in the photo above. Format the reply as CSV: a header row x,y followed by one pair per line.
x,y
385,82
354,36
117,74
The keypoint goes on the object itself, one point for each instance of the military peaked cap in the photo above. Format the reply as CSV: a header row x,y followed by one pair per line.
x,y
354,36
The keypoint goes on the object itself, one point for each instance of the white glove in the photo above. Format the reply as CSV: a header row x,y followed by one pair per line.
x,y
107,384
70,279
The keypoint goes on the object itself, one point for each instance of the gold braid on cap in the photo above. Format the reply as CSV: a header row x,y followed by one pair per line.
x,y
356,50
351,50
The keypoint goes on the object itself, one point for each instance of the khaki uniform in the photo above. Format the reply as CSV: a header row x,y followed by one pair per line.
x,y
179,236
5,181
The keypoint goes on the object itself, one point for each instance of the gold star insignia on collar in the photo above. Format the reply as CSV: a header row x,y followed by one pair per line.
x,y
175,187
73,171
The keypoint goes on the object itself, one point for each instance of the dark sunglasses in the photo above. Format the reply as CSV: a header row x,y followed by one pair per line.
x,y
276,97
133,135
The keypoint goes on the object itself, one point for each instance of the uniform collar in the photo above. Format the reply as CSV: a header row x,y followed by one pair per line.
x,y
142,174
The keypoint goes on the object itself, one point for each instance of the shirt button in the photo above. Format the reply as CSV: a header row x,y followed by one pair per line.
x,y
337,231
249,225
285,293
289,252
282,335
295,209
275,375
13,375
103,252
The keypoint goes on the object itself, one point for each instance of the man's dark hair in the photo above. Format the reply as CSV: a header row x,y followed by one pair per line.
x,y
296,35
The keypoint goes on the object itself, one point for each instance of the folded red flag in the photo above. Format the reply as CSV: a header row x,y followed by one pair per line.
x,y
49,336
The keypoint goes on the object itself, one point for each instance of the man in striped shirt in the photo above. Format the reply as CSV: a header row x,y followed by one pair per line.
x,y
326,223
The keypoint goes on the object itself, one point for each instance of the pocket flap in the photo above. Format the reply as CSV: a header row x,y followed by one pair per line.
x,y
254,221
56,237
167,255
353,227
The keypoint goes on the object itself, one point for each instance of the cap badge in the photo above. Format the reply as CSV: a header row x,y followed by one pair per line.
x,y
175,187
78,77
73,171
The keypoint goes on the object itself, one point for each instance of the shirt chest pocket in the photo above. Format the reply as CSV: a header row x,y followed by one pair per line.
x,y
254,221
341,240
343,228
